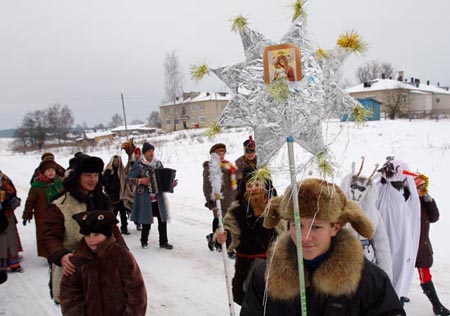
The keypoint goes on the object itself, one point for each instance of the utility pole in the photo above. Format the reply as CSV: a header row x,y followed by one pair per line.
x,y
124,115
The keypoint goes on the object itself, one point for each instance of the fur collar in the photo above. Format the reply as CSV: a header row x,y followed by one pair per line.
x,y
338,275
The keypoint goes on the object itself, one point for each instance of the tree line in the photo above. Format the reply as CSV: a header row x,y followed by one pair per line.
x,y
55,123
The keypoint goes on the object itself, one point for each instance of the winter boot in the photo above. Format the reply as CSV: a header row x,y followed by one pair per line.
x,y
430,292
209,239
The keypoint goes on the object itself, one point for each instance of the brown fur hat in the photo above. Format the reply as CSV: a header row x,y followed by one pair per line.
x,y
218,146
47,164
322,200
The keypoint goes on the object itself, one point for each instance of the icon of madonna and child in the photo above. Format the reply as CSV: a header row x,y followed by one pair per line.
x,y
282,62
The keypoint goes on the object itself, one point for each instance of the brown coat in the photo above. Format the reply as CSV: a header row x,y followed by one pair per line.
x,y
105,283
36,206
242,163
228,194
61,234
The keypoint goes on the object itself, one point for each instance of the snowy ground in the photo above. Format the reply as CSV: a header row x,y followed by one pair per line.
x,y
189,279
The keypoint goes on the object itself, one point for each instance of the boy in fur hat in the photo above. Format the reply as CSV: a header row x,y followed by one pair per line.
x,y
338,279
48,156
107,280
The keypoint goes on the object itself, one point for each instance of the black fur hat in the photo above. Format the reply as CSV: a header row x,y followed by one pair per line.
x,y
83,164
101,222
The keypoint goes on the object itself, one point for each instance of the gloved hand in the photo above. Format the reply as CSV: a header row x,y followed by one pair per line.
x,y
427,198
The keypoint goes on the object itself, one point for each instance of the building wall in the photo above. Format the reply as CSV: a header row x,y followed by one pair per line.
x,y
413,102
190,115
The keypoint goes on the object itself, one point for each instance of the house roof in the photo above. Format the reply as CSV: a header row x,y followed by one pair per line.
x,y
203,96
141,127
389,84
98,134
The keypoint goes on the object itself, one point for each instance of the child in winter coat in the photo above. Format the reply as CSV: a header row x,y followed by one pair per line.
x,y
107,280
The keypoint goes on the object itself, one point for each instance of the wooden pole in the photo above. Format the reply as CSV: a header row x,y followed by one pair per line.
x,y
124,115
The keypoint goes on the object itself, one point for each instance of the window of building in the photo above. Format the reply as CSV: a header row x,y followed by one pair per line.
x,y
176,121
202,119
167,122
201,108
193,119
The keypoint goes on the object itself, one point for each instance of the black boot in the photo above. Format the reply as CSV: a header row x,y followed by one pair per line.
x,y
430,292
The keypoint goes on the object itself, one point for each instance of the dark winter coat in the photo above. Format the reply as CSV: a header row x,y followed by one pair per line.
x,y
112,184
345,284
37,203
250,239
429,213
228,193
105,283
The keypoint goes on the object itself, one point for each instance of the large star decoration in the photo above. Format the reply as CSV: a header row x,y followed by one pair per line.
x,y
312,100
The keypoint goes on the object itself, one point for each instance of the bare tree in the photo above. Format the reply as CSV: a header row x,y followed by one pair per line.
x,y
33,130
116,120
393,102
60,120
154,119
173,81
374,69
136,122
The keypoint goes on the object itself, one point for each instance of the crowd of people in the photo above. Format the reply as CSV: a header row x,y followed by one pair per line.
x,y
361,241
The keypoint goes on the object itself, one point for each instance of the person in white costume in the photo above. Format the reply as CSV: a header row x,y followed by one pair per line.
x,y
363,190
399,205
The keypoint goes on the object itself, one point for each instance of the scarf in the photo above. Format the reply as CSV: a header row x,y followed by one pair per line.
x,y
231,171
52,187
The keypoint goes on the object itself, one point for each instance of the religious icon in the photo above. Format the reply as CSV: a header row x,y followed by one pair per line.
x,y
282,61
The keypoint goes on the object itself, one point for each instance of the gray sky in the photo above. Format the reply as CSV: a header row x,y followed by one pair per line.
x,y
84,53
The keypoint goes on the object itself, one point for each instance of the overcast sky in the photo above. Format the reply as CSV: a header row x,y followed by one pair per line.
x,y
84,53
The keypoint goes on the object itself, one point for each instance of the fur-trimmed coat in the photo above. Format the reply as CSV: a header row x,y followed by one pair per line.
x,y
228,194
251,241
344,284
429,214
105,283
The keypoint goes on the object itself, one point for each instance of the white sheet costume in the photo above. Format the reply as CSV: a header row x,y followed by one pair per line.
x,y
376,250
402,219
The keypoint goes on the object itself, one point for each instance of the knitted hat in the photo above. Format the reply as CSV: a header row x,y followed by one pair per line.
x,y
146,147
100,222
321,200
249,145
218,146
47,164
47,156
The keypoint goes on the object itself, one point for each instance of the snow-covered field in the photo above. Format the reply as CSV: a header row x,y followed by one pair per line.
x,y
189,280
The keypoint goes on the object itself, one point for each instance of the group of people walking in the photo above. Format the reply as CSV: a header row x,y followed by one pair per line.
x,y
359,240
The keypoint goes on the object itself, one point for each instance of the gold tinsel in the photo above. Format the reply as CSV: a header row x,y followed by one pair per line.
x,y
198,72
361,114
279,89
213,129
299,9
352,41
322,53
325,167
424,189
239,22
262,175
